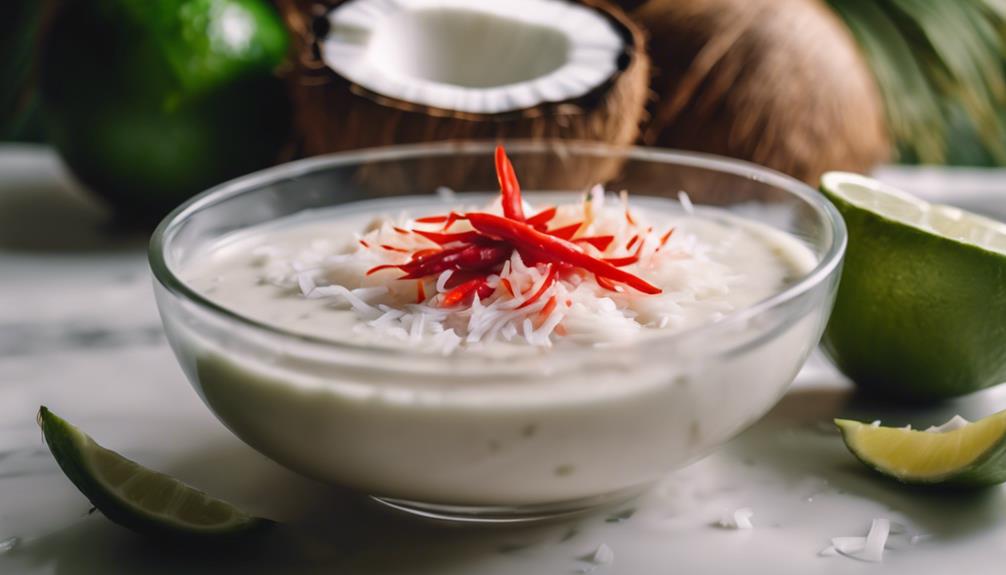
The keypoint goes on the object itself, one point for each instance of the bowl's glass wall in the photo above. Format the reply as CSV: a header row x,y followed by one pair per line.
x,y
470,432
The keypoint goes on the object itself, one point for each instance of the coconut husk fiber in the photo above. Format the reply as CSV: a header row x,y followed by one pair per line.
x,y
777,82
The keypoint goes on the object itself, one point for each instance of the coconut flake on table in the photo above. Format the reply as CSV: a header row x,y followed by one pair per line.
x,y
739,519
603,555
869,548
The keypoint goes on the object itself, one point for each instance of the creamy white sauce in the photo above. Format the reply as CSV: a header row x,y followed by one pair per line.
x,y
573,421
710,267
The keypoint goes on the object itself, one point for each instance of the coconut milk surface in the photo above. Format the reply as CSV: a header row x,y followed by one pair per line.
x,y
716,263
541,428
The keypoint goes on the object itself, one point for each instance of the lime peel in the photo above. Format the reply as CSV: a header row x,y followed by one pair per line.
x,y
133,496
957,453
920,313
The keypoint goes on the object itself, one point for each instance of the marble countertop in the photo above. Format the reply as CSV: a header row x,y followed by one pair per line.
x,y
79,332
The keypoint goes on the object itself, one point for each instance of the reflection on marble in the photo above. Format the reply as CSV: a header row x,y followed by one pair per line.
x,y
79,333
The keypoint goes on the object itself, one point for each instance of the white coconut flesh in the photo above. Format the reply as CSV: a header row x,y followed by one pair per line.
x,y
485,57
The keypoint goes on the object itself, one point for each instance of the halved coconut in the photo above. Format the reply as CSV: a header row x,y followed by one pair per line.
x,y
377,72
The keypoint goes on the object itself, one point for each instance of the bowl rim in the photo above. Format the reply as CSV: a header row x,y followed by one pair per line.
x,y
828,263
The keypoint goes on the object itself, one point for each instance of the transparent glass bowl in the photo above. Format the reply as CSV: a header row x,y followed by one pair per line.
x,y
472,438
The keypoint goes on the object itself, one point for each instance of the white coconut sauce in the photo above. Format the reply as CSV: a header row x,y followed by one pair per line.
x,y
533,430
708,268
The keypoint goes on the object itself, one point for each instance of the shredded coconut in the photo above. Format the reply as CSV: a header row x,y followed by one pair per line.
x,y
739,519
869,548
686,202
575,306
603,555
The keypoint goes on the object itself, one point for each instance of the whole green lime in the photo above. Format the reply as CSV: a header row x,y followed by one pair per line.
x,y
921,309
151,101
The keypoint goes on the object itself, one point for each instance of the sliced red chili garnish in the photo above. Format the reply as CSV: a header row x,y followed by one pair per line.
x,y
599,242
622,262
607,284
664,238
565,232
513,206
470,257
484,290
627,260
549,282
376,269
459,293
543,217
420,265
477,253
364,243
444,238
432,219
549,307
447,220
557,249
509,287
425,253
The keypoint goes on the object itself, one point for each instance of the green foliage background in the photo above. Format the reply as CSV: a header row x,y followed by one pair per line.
x,y
941,65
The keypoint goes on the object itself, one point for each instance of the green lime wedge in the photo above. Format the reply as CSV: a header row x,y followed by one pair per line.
x,y
921,309
136,497
970,455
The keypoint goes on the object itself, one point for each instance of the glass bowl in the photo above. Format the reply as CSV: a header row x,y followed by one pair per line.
x,y
471,438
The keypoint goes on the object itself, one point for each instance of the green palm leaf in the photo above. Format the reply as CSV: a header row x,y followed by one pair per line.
x,y
934,59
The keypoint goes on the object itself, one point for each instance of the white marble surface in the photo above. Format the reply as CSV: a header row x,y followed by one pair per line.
x,y
79,333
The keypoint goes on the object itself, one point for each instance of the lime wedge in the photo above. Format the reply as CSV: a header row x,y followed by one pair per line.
x,y
136,497
921,311
969,455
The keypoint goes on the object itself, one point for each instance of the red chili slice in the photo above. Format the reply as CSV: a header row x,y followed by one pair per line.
x,y
607,284
622,262
549,307
522,235
632,242
509,287
470,257
599,242
459,293
565,232
513,206
442,238
627,260
549,282
447,220
543,217
664,238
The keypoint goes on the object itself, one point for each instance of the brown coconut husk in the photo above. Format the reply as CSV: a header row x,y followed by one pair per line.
x,y
332,114
777,82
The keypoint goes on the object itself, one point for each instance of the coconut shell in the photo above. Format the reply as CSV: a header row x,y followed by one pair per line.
x,y
333,114
777,82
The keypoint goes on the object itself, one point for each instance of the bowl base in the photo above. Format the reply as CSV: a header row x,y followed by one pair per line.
x,y
500,514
